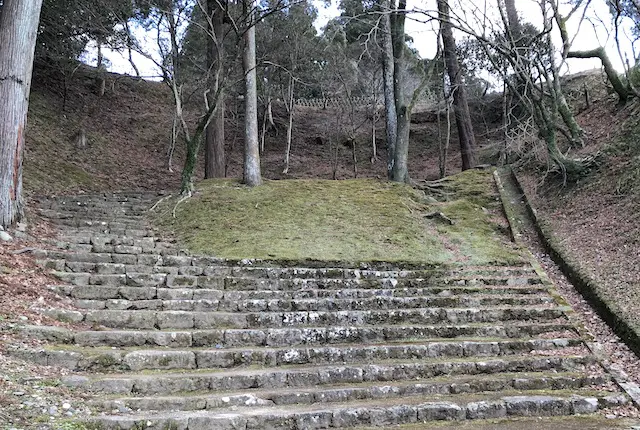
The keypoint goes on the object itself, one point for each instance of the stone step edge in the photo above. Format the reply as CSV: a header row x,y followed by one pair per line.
x,y
530,381
137,359
63,335
315,266
157,275
204,292
365,413
149,319
152,382
55,258
318,304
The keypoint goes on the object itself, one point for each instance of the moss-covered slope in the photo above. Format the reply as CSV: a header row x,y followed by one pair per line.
x,y
354,220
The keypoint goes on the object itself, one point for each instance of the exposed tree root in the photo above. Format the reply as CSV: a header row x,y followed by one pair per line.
x,y
184,198
155,206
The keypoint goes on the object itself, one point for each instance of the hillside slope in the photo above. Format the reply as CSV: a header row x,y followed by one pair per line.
x,y
128,137
596,221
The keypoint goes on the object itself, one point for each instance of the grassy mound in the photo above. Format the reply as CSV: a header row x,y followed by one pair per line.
x,y
352,220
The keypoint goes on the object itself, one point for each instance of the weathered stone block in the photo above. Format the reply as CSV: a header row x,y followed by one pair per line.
x,y
94,292
205,320
111,280
394,415
175,294
585,405
441,411
182,281
177,260
209,338
123,319
129,259
146,279
109,268
190,270
219,422
175,320
137,293
313,420
139,360
486,410
527,406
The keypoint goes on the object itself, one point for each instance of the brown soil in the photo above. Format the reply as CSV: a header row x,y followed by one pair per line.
x,y
30,394
128,133
596,220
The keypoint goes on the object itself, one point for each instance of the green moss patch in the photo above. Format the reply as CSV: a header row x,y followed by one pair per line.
x,y
353,220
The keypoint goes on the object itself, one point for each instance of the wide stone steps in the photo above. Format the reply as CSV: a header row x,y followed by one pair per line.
x,y
349,392
291,337
165,382
377,413
163,320
99,359
175,341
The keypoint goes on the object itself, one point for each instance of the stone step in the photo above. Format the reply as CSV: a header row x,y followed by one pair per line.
x,y
96,297
330,304
166,382
187,277
377,412
351,392
128,214
84,245
220,267
109,359
296,337
98,223
147,320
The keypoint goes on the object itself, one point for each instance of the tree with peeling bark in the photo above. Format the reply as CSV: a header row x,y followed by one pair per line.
x,y
460,105
18,31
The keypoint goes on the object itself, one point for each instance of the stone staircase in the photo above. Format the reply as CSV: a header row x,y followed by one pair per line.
x,y
173,341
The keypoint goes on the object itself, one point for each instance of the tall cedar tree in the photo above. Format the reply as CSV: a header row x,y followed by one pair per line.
x,y
18,31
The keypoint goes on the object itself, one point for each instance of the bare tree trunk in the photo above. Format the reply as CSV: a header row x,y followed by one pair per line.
x,y
18,30
391,120
289,106
129,48
214,157
461,107
444,146
514,21
252,175
374,120
399,170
